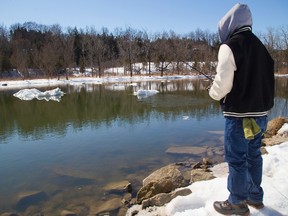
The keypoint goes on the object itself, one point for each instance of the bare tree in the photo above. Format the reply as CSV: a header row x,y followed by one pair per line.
x,y
162,54
49,57
67,53
177,48
272,42
20,56
128,48
284,39
4,49
147,50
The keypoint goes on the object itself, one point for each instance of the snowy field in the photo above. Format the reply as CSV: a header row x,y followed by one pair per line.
x,y
204,193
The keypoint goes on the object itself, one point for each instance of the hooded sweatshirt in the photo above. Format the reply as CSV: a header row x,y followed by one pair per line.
x,y
244,82
237,17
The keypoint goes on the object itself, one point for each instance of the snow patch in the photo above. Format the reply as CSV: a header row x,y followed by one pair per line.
x,y
283,130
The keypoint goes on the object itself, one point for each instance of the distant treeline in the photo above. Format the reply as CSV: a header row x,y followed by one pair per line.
x,y
40,50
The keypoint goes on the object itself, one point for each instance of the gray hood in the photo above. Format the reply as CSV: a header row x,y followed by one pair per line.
x,y
238,16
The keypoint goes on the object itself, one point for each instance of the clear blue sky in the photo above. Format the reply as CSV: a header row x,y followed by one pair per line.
x,y
181,16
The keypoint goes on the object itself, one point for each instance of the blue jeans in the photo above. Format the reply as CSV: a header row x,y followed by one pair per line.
x,y
244,160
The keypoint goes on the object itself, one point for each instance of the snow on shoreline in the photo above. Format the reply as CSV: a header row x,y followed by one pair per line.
x,y
14,84
204,193
18,84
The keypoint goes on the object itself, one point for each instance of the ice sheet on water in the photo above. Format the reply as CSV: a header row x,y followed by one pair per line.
x,y
30,94
145,93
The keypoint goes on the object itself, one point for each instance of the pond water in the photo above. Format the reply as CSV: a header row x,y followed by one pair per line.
x,y
99,134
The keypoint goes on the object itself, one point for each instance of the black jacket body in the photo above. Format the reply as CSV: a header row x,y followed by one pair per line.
x,y
252,93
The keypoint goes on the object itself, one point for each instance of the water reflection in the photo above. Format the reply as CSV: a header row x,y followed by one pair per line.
x,y
102,133
97,104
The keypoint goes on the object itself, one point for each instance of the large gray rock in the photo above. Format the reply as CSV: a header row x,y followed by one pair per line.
x,y
200,175
67,213
9,214
106,206
118,187
170,172
163,180
154,188
193,150
274,125
275,140
74,173
163,198
122,211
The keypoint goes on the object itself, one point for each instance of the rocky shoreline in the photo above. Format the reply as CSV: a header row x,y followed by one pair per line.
x,y
153,194
159,188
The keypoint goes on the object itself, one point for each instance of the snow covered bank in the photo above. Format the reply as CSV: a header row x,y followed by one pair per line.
x,y
30,94
14,84
204,193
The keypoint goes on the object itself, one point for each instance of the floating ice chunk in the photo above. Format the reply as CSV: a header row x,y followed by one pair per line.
x,y
26,94
185,117
145,93
29,94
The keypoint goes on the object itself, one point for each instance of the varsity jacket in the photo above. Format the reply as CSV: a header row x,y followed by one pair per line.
x,y
244,82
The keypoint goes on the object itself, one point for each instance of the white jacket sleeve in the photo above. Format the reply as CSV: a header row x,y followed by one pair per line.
x,y
226,67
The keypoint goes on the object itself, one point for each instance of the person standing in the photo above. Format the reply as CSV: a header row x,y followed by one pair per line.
x,y
244,85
